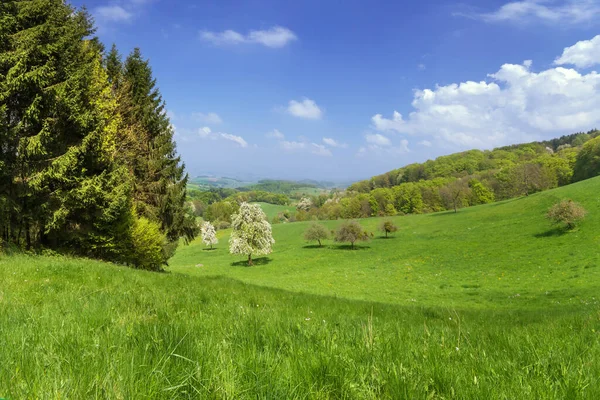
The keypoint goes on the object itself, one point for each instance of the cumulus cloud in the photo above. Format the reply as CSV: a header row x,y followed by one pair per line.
x,y
275,37
583,54
234,138
516,105
113,13
425,143
207,133
320,150
334,143
306,108
378,139
569,12
275,134
208,118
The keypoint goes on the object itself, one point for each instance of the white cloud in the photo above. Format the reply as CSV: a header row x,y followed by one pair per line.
x,y
566,12
378,139
209,118
425,143
290,146
334,143
307,108
582,54
204,132
113,13
517,105
236,139
320,150
275,134
275,37
422,67
207,133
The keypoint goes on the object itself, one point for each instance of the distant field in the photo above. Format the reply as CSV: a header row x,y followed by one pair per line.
x,y
272,209
488,303
308,191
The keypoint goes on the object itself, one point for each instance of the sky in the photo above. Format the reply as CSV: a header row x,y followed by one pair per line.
x,y
344,90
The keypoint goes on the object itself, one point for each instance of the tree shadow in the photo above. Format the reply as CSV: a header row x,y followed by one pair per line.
x,y
255,262
314,246
556,231
209,249
442,213
349,247
386,237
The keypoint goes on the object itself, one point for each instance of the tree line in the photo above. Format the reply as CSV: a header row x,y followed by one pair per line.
x,y
88,164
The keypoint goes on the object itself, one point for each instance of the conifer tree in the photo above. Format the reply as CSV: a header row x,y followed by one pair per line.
x,y
158,173
61,187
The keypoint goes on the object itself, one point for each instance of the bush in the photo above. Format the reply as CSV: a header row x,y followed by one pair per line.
x,y
566,212
147,245
352,232
222,225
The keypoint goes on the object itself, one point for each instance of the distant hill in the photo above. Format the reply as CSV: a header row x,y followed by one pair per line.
x,y
206,182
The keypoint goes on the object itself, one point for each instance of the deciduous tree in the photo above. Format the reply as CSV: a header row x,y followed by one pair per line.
x,y
352,232
251,234
316,232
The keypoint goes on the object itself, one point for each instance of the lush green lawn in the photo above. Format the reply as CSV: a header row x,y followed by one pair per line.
x,y
487,303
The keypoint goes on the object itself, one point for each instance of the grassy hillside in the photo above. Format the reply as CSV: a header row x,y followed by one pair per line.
x,y
273,209
503,255
487,303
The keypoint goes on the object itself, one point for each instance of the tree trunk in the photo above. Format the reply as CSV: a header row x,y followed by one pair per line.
x,y
352,245
319,240
386,233
250,260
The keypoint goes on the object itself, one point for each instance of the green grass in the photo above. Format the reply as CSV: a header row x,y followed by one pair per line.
x,y
498,256
273,209
487,303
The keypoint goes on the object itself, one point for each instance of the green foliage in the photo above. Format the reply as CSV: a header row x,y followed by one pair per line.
x,y
480,193
387,227
147,245
316,233
588,161
352,232
567,213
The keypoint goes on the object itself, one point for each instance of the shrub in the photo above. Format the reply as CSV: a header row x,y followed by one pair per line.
x,y
147,245
316,232
222,225
566,212
352,232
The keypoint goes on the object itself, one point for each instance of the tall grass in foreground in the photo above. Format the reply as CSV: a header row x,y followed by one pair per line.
x,y
81,329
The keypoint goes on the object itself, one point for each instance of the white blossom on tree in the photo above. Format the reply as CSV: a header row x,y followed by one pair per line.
x,y
305,204
251,232
209,235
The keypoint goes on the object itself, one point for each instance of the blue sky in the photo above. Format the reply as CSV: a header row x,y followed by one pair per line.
x,y
336,90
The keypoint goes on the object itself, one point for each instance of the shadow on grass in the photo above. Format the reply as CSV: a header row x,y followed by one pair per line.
x,y
255,261
386,237
349,247
556,231
442,213
313,246
209,249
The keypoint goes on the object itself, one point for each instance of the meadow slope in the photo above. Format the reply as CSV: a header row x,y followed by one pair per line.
x,y
500,306
502,255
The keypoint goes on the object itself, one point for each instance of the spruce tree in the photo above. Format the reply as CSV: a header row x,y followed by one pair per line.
x,y
159,176
61,187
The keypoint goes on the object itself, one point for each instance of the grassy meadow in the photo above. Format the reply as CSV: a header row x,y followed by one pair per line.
x,y
271,210
491,302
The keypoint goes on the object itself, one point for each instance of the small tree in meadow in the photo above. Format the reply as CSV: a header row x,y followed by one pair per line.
x,y
305,204
209,234
566,212
251,232
352,232
316,232
388,227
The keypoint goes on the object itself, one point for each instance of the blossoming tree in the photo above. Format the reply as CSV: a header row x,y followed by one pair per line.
x,y
209,235
251,232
